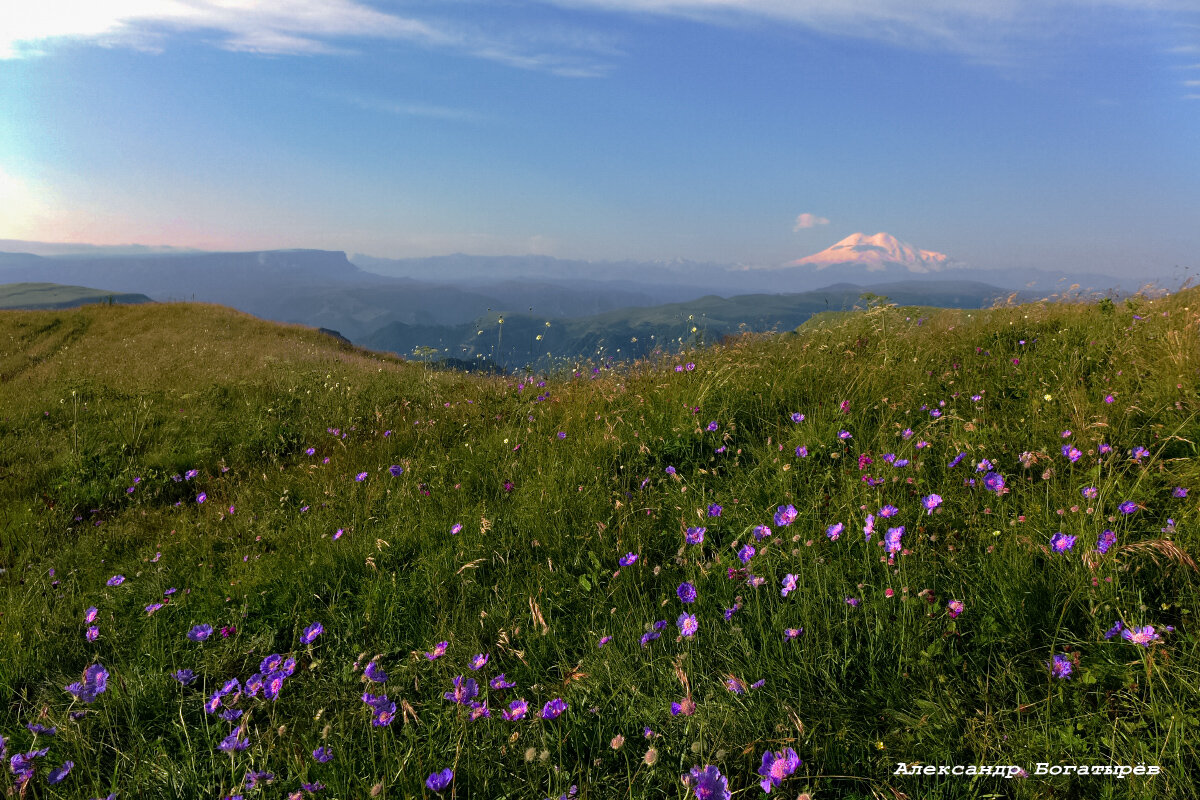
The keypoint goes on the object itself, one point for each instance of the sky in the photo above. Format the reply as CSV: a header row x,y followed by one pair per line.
x,y
1055,134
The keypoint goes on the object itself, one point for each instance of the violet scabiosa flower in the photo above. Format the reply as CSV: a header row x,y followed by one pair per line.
x,y
649,637
91,614
374,673
603,641
955,607
685,707
746,553
670,470
761,532
712,426
687,625
184,676
311,633
695,535
1090,492
891,539
200,632
931,502
58,774
1060,667
1179,491
234,742
438,651
1072,454
869,527
395,470
501,682
516,710
776,767
994,482
1128,507
714,510
465,690
456,528
1117,627
708,783
844,435
1143,636
1061,543
956,461
200,498
834,531
627,559
93,633
94,684
785,515
797,417
801,452
116,580
322,755
360,477
1106,540
554,708
686,592
792,633
438,781
478,662
888,511
789,585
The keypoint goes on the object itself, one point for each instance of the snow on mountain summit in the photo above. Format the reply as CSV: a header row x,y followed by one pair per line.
x,y
876,253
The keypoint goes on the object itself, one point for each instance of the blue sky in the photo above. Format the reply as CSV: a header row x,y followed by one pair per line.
x,y
1051,134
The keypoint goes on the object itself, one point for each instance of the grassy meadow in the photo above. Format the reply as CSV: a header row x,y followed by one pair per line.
x,y
893,536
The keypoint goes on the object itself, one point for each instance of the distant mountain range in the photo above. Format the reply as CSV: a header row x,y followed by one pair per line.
x,y
53,295
444,302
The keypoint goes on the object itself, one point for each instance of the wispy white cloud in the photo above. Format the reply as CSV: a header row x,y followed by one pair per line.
x,y
406,109
807,220
284,27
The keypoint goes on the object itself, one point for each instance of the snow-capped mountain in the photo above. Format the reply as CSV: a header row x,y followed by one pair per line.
x,y
878,253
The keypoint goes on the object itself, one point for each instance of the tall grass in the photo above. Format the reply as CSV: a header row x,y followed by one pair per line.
x,y
104,412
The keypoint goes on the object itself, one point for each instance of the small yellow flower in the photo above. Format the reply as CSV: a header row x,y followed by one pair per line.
x,y
1048,398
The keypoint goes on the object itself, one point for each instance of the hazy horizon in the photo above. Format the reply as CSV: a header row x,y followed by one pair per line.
x,y
1053,136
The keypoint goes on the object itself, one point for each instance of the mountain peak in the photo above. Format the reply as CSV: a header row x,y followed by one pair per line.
x,y
876,253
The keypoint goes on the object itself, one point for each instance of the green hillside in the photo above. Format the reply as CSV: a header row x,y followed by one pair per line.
x,y
242,558
54,295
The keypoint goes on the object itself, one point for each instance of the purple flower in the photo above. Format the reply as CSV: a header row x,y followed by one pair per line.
x,y
455,529
844,435
777,766
956,461
439,650
761,532
891,539
746,553
869,527
931,502
955,607
360,477
888,511
478,661
649,637
374,673
184,676
94,684
603,641
627,559
200,632
792,633
789,585
1117,627
1090,492
1138,453
695,535
562,434
708,783
1128,507
1179,491
501,682
90,616
396,470
1072,454
714,510
687,625
994,482
554,708
1106,540
670,470
57,775
93,633
686,592
853,602
200,498
116,580
465,690
310,451
797,416
834,531
438,781
712,426
322,755
233,742
1061,543
801,452
311,633
516,710
254,777
785,515
1060,667
1143,636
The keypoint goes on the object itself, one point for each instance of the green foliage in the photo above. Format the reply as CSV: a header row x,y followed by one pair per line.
x,y
106,411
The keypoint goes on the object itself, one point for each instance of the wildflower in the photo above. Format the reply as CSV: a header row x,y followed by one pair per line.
x,y
834,531
310,451
200,498
649,637
670,470
785,515
1179,491
501,682
844,435
687,625
797,416
1072,454
57,775
395,470
1104,448
478,661
735,684
777,766
994,482
888,511
1143,636
801,452
891,539
200,632
956,460
746,553
1138,453
955,608
184,676
311,633
1117,627
456,528
116,580
1061,543
1060,667
322,755
712,426
253,778
94,684
789,585
651,757
439,650
852,602
438,781
685,707
617,742
93,633
516,710
1106,540
603,641
869,527
90,616
707,783
792,633
714,510
562,434
686,592
465,690
627,559
1128,507
931,502
374,673
233,742
1090,492
554,708
729,612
